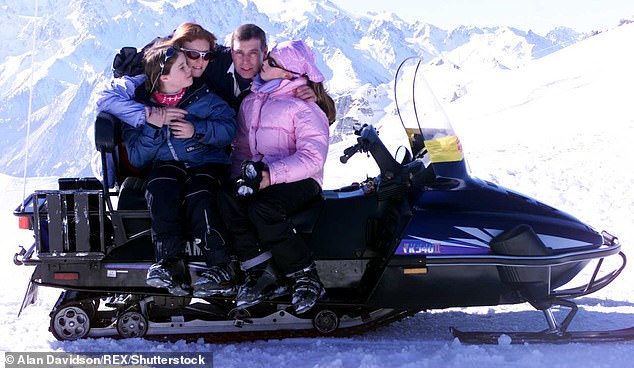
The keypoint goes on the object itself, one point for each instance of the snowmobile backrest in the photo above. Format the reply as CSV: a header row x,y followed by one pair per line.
x,y
105,132
109,143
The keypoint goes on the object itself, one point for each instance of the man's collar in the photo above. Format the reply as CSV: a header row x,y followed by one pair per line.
x,y
236,87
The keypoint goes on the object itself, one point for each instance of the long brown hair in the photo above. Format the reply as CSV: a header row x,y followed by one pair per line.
x,y
189,32
324,101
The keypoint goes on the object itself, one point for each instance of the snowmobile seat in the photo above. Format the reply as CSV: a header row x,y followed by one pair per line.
x,y
132,194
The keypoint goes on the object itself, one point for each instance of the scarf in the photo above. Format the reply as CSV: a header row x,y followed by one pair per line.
x,y
168,100
262,86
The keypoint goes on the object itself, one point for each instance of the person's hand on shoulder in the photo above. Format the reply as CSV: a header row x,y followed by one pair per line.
x,y
305,93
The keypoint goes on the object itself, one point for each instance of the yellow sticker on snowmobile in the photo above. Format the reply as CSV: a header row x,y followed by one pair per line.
x,y
445,149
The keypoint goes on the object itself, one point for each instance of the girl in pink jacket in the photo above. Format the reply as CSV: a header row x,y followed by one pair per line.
x,y
278,155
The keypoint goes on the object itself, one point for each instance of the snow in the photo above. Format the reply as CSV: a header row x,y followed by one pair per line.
x,y
557,129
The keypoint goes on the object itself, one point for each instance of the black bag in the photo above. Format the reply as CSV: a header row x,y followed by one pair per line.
x,y
129,61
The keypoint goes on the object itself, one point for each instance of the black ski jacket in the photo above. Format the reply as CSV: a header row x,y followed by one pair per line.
x,y
219,77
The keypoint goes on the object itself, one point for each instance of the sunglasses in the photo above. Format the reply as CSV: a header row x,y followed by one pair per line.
x,y
273,64
169,52
194,54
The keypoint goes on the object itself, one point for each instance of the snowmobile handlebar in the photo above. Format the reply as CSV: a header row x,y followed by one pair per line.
x,y
349,152
367,137
369,141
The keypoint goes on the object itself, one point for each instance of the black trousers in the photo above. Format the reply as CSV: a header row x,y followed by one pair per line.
x,y
261,223
183,206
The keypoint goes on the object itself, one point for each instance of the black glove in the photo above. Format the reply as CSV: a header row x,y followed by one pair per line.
x,y
250,178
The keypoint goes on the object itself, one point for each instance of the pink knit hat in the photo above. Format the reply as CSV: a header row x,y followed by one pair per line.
x,y
297,57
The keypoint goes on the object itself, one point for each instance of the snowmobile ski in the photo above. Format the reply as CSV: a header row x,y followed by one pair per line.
x,y
546,336
555,333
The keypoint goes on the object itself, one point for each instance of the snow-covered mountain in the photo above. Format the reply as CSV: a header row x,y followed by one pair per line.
x,y
76,40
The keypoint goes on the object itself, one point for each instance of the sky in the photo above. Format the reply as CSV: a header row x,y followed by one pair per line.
x,y
539,15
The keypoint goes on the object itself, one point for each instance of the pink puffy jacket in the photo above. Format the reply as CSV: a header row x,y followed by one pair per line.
x,y
286,133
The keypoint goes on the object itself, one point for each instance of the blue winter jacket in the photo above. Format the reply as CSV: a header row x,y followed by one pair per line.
x,y
213,119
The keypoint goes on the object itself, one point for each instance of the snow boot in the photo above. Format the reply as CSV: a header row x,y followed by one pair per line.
x,y
262,282
217,280
307,289
167,274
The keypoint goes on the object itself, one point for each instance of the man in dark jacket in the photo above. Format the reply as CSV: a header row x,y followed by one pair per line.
x,y
231,70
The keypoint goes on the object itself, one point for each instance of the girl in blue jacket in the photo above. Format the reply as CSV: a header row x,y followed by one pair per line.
x,y
187,151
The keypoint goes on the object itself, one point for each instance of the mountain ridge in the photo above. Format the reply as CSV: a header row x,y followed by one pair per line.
x,y
76,41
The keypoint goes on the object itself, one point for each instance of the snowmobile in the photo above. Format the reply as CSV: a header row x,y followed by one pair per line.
x,y
423,234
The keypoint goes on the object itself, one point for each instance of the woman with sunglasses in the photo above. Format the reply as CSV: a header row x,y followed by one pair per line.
x,y
189,161
195,42
279,156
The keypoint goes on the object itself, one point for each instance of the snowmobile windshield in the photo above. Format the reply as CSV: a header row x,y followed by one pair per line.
x,y
424,119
